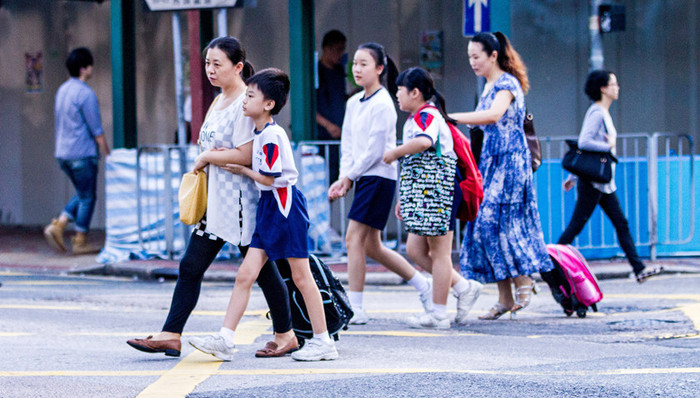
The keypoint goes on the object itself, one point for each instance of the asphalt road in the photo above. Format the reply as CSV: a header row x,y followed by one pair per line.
x,y
65,337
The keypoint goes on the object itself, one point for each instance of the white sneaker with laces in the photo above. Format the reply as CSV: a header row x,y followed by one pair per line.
x,y
316,350
360,317
428,321
466,300
213,345
426,298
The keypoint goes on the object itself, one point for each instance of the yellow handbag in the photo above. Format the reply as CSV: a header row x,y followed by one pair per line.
x,y
192,197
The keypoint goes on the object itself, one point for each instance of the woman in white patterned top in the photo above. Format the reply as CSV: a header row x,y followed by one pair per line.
x,y
226,137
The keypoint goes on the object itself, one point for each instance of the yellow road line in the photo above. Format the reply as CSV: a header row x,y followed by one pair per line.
x,y
693,312
223,313
10,273
405,333
53,283
113,309
12,334
197,367
183,378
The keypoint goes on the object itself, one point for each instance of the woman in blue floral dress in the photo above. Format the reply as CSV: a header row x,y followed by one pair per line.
x,y
505,243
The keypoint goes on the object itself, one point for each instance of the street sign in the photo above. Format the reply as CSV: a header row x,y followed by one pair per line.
x,y
477,17
177,5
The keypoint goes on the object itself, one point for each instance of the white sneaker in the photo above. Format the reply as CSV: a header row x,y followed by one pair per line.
x,y
426,298
214,345
316,350
360,317
466,300
428,321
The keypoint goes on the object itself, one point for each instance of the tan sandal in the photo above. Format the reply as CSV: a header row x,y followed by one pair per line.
x,y
495,312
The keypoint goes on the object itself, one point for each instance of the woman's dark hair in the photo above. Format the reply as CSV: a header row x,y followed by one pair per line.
x,y
595,81
508,59
77,59
333,37
388,76
273,84
422,80
234,51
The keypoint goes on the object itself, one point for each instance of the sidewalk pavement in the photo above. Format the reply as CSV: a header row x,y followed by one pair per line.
x,y
23,249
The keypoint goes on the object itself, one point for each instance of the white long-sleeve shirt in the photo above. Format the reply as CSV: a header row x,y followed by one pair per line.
x,y
369,130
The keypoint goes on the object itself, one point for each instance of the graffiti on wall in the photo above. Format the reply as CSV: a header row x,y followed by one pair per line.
x,y
34,70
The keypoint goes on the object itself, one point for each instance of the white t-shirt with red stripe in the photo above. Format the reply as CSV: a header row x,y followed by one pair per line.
x,y
428,122
273,156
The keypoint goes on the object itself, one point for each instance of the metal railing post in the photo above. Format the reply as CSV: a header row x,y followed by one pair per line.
x,y
653,192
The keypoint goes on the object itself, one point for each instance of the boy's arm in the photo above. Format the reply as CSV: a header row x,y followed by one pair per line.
x,y
416,145
246,171
242,155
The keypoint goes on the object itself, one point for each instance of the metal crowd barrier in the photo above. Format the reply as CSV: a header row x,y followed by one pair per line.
x,y
654,177
159,169
650,164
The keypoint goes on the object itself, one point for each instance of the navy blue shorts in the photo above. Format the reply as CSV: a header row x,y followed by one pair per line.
x,y
282,237
456,201
373,199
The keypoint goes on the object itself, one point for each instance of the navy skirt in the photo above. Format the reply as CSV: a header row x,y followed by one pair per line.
x,y
282,237
373,199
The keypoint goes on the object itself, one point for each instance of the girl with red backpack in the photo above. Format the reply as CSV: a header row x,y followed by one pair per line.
x,y
429,199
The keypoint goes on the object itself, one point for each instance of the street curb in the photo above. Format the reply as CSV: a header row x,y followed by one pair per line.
x,y
382,278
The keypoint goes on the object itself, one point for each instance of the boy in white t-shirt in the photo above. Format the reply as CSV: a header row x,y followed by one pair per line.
x,y
282,221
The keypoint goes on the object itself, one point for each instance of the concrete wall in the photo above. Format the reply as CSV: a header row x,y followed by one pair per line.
x,y
656,60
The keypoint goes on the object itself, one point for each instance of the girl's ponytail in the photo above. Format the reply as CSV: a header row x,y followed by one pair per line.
x,y
388,76
440,105
422,80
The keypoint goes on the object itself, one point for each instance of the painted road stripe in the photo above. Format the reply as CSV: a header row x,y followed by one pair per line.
x,y
693,312
53,283
11,273
112,309
197,366
198,363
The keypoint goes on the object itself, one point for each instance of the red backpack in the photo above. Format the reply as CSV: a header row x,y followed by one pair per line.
x,y
471,183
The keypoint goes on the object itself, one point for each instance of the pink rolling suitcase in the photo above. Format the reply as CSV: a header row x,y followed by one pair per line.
x,y
573,284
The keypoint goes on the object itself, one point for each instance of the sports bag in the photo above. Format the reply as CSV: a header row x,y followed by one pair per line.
x,y
471,183
336,304
573,284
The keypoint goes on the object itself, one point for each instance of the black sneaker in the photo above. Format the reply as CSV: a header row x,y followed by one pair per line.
x,y
648,272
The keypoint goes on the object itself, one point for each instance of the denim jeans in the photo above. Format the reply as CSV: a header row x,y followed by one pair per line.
x,y
83,175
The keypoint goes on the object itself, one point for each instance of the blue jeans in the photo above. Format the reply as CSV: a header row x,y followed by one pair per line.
x,y
83,175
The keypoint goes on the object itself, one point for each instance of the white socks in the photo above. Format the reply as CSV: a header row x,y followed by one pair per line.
x,y
227,334
355,299
325,337
440,311
419,282
461,286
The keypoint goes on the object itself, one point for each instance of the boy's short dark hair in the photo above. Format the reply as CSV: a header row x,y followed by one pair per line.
x,y
77,59
333,37
273,84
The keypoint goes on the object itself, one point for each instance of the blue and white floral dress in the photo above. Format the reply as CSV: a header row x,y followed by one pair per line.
x,y
506,238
